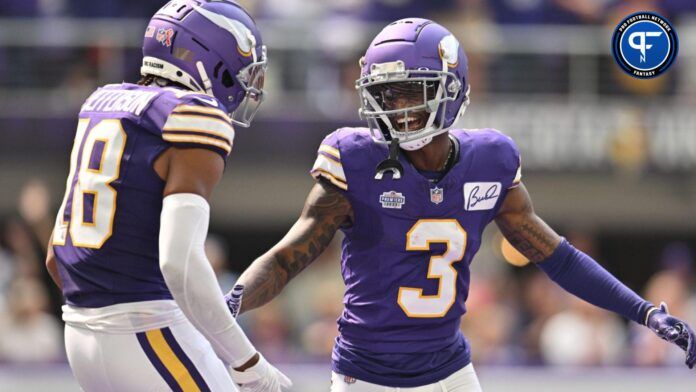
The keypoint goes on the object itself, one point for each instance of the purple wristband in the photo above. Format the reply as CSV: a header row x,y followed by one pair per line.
x,y
583,277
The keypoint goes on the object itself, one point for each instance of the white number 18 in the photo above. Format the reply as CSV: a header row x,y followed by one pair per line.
x,y
95,162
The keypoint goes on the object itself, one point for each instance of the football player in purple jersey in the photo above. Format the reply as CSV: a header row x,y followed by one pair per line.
x,y
143,309
413,223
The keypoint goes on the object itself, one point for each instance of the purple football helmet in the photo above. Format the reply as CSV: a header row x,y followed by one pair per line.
x,y
420,60
213,47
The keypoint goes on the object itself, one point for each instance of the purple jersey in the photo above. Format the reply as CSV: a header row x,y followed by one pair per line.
x,y
107,229
405,260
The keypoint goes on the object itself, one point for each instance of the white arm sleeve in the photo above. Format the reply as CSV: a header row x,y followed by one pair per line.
x,y
191,280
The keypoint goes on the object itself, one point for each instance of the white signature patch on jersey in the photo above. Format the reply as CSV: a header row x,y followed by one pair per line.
x,y
480,196
392,199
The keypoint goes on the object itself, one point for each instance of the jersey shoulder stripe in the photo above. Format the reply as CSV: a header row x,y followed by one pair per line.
x,y
518,176
346,154
330,151
202,110
192,140
331,169
194,122
200,124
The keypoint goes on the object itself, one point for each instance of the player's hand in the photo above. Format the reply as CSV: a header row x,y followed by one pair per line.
x,y
674,331
234,299
260,377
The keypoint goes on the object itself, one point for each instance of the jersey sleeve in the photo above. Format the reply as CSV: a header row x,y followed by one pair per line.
x,y
517,180
328,162
499,157
508,155
196,121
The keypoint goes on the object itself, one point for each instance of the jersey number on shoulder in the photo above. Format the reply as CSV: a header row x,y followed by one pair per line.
x,y
421,235
89,204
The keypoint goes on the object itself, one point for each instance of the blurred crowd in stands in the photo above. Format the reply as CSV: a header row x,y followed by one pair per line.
x,y
340,28
501,11
45,84
516,316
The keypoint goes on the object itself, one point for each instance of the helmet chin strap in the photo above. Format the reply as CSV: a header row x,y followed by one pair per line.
x,y
417,144
391,164
208,87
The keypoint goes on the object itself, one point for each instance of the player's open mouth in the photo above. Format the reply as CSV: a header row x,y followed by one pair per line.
x,y
409,123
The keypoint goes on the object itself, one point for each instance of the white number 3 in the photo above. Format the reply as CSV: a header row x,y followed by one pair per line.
x,y
421,235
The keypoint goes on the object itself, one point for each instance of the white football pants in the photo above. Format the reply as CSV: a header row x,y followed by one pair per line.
x,y
464,380
170,357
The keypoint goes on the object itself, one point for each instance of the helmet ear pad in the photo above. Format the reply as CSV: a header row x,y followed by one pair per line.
x,y
460,99
226,79
225,82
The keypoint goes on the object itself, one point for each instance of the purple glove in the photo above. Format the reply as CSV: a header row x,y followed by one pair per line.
x,y
674,331
234,299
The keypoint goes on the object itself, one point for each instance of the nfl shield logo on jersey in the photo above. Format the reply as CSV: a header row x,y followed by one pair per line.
x,y
436,195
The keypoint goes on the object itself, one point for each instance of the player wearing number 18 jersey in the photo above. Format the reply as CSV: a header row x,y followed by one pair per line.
x,y
414,221
143,310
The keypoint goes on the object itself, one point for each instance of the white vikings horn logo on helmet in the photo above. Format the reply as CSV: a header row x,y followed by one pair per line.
x,y
449,50
245,39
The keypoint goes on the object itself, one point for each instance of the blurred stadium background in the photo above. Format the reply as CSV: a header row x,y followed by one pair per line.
x,y
609,161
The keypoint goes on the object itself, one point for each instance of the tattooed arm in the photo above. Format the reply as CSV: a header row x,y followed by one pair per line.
x,y
325,210
521,226
573,270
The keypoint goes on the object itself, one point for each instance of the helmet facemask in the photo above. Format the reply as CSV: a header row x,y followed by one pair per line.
x,y
251,78
426,94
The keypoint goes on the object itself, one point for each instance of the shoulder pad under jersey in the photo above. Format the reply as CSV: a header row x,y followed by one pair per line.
x,y
192,120
493,152
344,151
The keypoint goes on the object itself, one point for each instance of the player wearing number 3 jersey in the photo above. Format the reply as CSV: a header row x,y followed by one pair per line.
x,y
143,309
414,221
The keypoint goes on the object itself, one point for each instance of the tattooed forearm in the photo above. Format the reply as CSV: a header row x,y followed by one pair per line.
x,y
529,238
326,209
262,281
525,231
